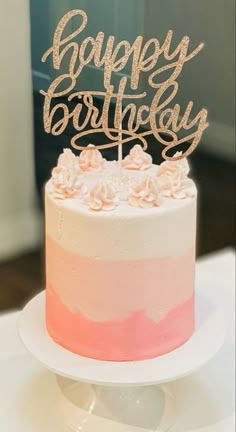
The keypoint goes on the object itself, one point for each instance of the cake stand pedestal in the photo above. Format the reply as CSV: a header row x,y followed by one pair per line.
x,y
120,396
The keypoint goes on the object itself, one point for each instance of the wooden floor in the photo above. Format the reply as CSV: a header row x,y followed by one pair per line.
x,y
22,277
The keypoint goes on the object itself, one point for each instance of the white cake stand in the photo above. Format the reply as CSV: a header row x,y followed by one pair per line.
x,y
120,396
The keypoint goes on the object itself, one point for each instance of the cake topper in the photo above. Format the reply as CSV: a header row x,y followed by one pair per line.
x,y
166,123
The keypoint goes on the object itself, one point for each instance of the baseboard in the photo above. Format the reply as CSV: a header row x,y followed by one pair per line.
x,y
20,233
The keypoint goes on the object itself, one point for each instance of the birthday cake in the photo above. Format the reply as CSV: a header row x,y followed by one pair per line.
x,y
120,255
121,235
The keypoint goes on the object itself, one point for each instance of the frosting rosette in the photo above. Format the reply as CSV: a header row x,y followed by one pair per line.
x,y
65,177
68,160
173,179
66,183
102,196
137,159
145,194
91,158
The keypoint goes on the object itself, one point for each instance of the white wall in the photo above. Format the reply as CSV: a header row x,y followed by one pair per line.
x,y
19,222
209,79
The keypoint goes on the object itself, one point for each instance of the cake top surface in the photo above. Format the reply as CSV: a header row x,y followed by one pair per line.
x,y
91,184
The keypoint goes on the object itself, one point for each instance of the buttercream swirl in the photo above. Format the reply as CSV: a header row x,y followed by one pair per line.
x,y
145,193
91,159
102,197
173,179
66,182
65,177
68,160
137,159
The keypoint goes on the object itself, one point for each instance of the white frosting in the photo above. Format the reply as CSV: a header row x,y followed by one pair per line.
x,y
126,232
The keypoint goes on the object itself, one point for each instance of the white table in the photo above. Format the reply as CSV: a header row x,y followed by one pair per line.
x,y
28,392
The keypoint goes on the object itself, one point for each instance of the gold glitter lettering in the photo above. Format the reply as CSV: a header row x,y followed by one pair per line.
x,y
162,121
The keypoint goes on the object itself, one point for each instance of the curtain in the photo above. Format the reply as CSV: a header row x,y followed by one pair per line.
x,y
19,218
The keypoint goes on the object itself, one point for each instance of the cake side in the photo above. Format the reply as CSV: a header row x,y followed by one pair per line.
x,y
120,283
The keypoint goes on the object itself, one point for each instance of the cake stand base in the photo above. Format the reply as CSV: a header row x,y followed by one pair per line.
x,y
117,409
120,396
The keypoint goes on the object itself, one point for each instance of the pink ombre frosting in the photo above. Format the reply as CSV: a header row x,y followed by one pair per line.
x,y
102,197
119,310
91,158
103,290
173,179
145,193
65,177
137,159
134,338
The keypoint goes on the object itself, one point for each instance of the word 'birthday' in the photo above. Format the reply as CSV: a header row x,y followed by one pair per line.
x,y
166,123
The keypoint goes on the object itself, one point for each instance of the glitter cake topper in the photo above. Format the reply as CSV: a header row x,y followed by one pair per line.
x,y
159,119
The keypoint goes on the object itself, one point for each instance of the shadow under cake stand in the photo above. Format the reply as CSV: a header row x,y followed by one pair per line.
x,y
120,396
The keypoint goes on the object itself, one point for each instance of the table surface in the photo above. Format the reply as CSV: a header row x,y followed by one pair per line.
x,y
205,401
